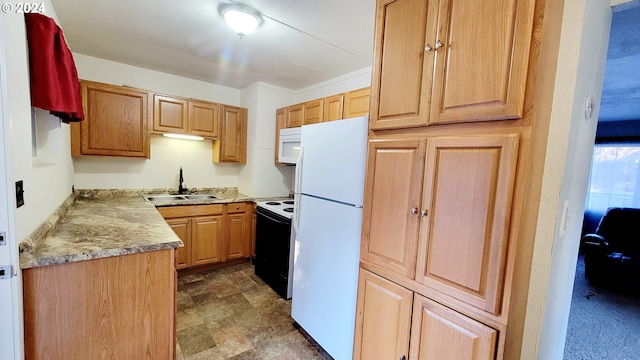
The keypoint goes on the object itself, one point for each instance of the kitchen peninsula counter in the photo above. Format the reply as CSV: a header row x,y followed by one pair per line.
x,y
94,224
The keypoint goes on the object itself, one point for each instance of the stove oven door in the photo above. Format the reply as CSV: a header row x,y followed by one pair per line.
x,y
273,234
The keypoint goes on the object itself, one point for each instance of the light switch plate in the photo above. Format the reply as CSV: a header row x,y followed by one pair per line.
x,y
19,193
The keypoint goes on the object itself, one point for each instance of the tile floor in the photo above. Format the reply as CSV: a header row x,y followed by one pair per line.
x,y
231,313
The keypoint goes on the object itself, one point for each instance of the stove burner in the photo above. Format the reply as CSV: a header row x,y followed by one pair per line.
x,y
288,209
273,203
288,202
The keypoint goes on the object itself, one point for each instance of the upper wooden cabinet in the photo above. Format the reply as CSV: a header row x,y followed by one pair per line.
x,y
170,114
313,112
178,115
449,61
450,205
231,145
390,224
466,202
115,124
203,118
356,103
294,115
333,106
280,124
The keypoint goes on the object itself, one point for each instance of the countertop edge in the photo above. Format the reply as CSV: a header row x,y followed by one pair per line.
x,y
28,263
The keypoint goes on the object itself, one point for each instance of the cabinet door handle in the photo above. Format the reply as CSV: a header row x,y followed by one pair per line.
x,y
438,45
424,213
414,211
427,48
402,357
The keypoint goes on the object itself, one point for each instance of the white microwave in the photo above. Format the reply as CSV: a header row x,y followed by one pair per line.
x,y
289,145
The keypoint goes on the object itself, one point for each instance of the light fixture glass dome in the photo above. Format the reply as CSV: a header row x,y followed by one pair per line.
x,y
240,18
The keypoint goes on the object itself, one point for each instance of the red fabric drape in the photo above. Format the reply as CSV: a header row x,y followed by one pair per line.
x,y
54,79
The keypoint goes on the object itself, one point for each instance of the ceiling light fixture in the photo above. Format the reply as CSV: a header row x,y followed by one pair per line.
x,y
183,136
240,18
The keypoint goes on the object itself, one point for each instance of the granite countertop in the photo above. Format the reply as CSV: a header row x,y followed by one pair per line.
x,y
93,224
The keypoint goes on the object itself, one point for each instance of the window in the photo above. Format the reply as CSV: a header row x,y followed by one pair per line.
x,y
614,177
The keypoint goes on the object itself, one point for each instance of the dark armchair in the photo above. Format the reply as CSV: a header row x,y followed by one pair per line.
x,y
612,253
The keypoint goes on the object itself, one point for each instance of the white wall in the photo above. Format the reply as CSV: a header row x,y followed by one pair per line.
x,y
167,155
47,181
354,80
260,177
583,46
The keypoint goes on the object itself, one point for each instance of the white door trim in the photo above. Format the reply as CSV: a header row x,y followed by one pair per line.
x,y
11,341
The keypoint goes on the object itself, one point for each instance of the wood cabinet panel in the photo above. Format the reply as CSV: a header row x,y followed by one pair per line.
x,y
294,115
390,227
211,233
169,114
115,124
478,75
93,309
234,208
313,112
449,61
383,319
182,228
356,103
169,212
173,114
400,87
236,236
203,118
207,240
280,124
333,106
439,333
232,144
254,223
468,190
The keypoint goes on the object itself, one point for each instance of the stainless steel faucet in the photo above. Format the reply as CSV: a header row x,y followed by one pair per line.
x,y
181,188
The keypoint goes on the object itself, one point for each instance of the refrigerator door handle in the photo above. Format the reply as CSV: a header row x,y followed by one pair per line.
x,y
296,191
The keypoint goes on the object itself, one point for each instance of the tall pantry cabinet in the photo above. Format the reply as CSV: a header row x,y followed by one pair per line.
x,y
446,165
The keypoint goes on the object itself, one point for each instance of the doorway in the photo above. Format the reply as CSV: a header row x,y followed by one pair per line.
x,y
604,321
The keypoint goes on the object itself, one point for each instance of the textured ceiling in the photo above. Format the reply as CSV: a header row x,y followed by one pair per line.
x,y
621,88
300,43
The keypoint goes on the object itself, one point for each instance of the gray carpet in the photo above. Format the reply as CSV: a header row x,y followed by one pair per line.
x,y
604,323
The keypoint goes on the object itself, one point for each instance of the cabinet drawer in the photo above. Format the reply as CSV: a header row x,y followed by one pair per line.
x,y
234,208
190,210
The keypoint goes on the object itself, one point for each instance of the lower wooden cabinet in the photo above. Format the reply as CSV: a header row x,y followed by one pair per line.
x,y
120,307
211,234
383,319
393,322
439,333
207,240
237,233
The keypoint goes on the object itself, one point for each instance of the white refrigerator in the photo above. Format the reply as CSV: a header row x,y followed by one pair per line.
x,y
327,223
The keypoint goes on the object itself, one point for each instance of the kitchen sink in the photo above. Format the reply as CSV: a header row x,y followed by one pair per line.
x,y
199,197
163,197
167,197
